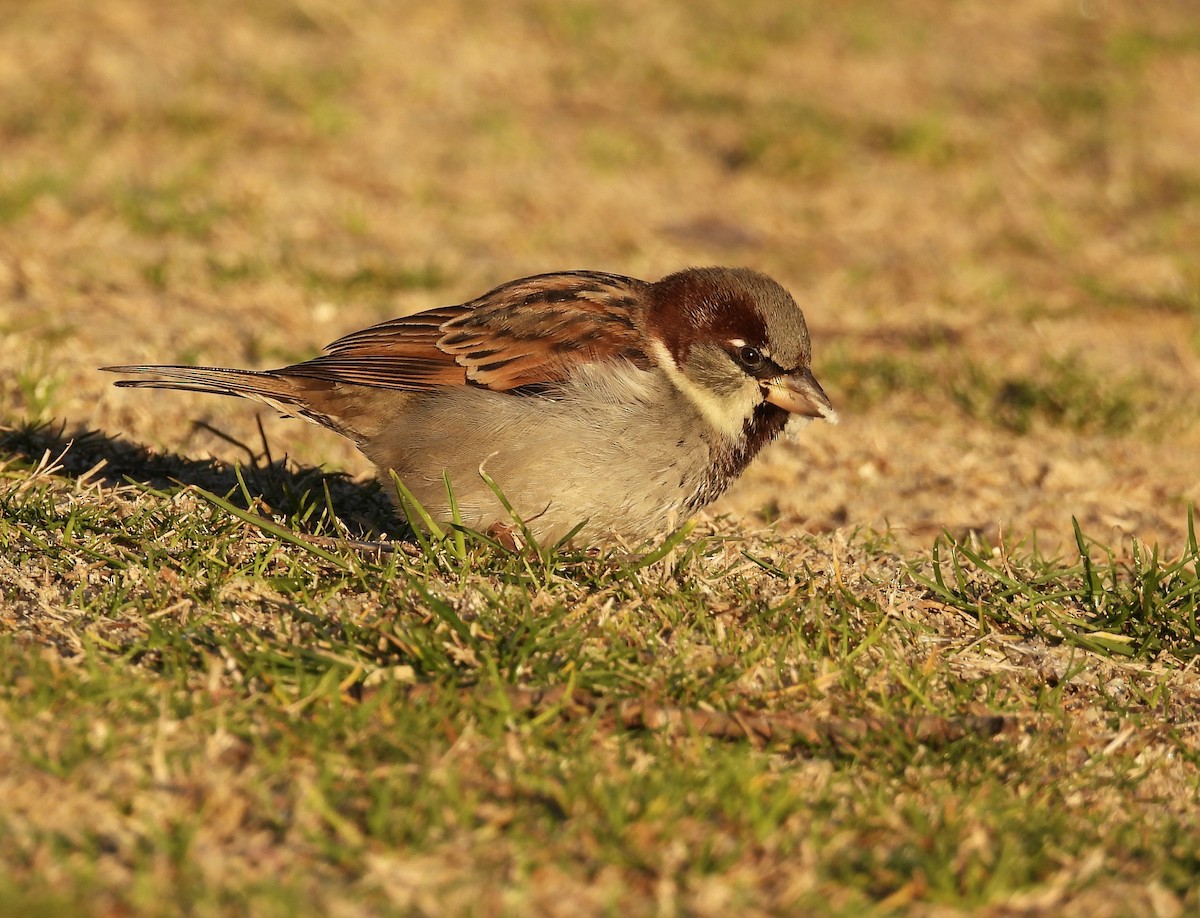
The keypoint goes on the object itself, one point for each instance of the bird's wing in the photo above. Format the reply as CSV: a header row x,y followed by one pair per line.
x,y
526,334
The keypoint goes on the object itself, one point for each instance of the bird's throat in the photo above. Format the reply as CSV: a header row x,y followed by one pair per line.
x,y
732,456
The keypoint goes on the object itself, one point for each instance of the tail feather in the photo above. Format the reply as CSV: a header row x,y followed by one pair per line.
x,y
289,395
215,380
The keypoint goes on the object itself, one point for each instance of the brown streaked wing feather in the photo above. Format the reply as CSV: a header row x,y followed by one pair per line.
x,y
531,332
423,329
526,333
398,354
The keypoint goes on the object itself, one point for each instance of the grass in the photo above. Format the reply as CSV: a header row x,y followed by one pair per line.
x,y
1140,608
1059,393
376,278
451,722
957,675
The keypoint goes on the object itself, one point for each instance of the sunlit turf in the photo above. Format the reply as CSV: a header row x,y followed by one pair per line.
x,y
253,690
209,694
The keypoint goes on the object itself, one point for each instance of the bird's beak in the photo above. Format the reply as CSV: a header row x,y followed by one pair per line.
x,y
801,394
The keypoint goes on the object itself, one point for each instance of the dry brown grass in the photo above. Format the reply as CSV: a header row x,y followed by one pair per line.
x,y
955,186
988,211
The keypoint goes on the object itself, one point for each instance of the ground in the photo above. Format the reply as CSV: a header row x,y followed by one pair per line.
x,y
988,213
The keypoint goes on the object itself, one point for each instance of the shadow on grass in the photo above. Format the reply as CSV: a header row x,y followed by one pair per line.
x,y
276,485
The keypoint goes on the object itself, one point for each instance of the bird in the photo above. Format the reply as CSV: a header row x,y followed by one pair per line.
x,y
603,408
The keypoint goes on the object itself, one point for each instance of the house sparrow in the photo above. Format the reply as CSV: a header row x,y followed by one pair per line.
x,y
587,397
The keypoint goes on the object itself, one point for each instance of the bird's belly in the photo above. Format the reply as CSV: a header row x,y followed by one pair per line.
x,y
611,467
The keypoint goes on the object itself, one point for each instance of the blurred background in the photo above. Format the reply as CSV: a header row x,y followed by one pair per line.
x,y
990,213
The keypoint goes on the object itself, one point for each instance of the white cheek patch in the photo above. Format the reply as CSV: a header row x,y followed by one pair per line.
x,y
729,415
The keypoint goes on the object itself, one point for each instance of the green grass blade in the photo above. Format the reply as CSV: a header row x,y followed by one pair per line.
x,y
275,529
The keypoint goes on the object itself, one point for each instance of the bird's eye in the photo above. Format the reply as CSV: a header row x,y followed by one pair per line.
x,y
751,357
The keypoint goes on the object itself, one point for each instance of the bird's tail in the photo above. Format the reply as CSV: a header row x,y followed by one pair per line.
x,y
295,396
